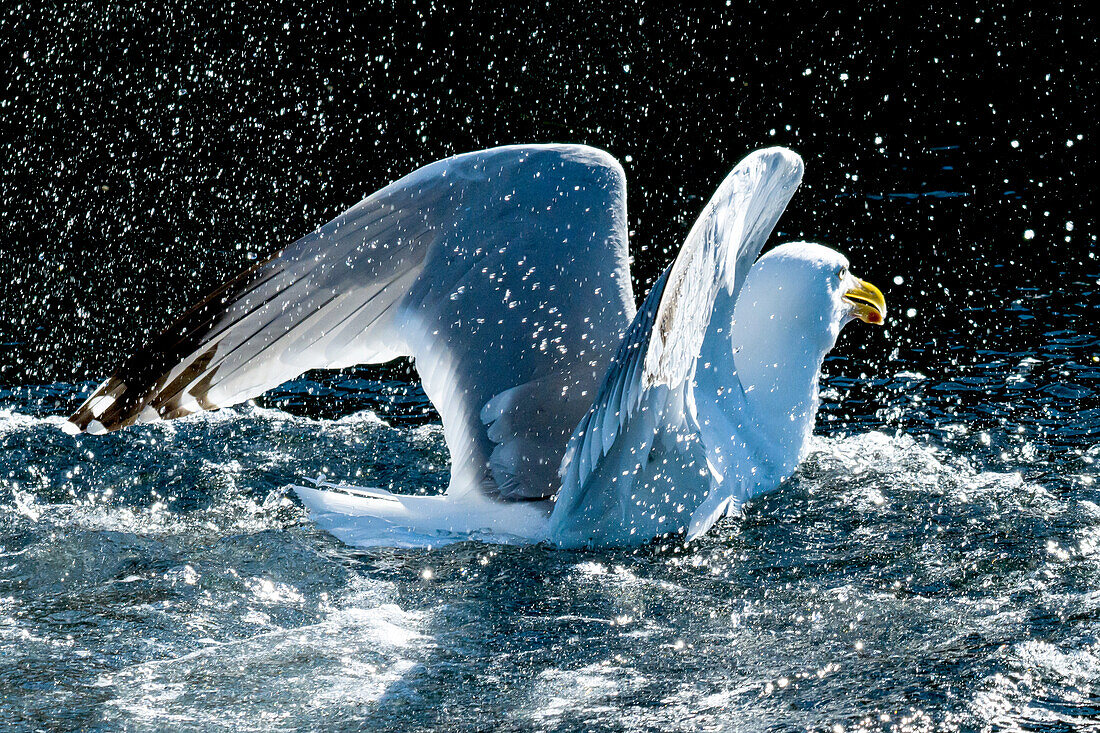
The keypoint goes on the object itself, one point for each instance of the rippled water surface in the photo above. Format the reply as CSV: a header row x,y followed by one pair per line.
x,y
934,564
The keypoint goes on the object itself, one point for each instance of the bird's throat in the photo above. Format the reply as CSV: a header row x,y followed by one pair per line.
x,y
776,366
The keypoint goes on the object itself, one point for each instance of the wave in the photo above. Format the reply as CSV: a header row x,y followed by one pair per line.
x,y
167,572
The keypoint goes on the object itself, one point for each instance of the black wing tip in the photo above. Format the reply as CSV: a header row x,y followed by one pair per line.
x,y
105,411
113,407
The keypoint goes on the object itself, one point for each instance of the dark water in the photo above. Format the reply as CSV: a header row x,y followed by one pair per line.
x,y
935,564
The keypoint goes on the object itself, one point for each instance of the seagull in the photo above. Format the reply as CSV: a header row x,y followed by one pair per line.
x,y
570,416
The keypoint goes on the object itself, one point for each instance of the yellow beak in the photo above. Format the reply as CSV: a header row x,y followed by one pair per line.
x,y
867,303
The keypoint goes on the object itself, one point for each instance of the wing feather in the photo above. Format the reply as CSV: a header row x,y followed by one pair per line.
x,y
648,381
462,265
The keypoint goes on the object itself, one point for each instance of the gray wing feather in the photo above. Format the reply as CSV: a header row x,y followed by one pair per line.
x,y
720,248
651,370
493,270
612,409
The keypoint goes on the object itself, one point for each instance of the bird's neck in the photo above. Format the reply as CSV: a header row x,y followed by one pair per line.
x,y
781,387
776,363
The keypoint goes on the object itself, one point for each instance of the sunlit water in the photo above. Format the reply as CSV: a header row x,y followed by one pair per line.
x,y
935,564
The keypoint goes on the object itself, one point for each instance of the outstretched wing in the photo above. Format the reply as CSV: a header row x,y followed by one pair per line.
x,y
647,388
494,270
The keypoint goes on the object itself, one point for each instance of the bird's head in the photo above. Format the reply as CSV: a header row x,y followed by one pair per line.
x,y
808,290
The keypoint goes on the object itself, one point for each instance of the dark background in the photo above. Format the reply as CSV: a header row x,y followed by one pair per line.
x,y
149,153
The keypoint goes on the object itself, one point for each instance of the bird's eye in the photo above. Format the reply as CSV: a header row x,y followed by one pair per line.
x,y
842,272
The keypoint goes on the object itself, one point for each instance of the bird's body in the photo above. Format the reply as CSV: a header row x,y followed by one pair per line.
x,y
569,417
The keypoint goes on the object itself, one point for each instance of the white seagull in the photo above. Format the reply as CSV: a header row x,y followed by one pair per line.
x,y
569,417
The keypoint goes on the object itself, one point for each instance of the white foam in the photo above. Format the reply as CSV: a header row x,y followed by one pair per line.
x,y
11,421
350,657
